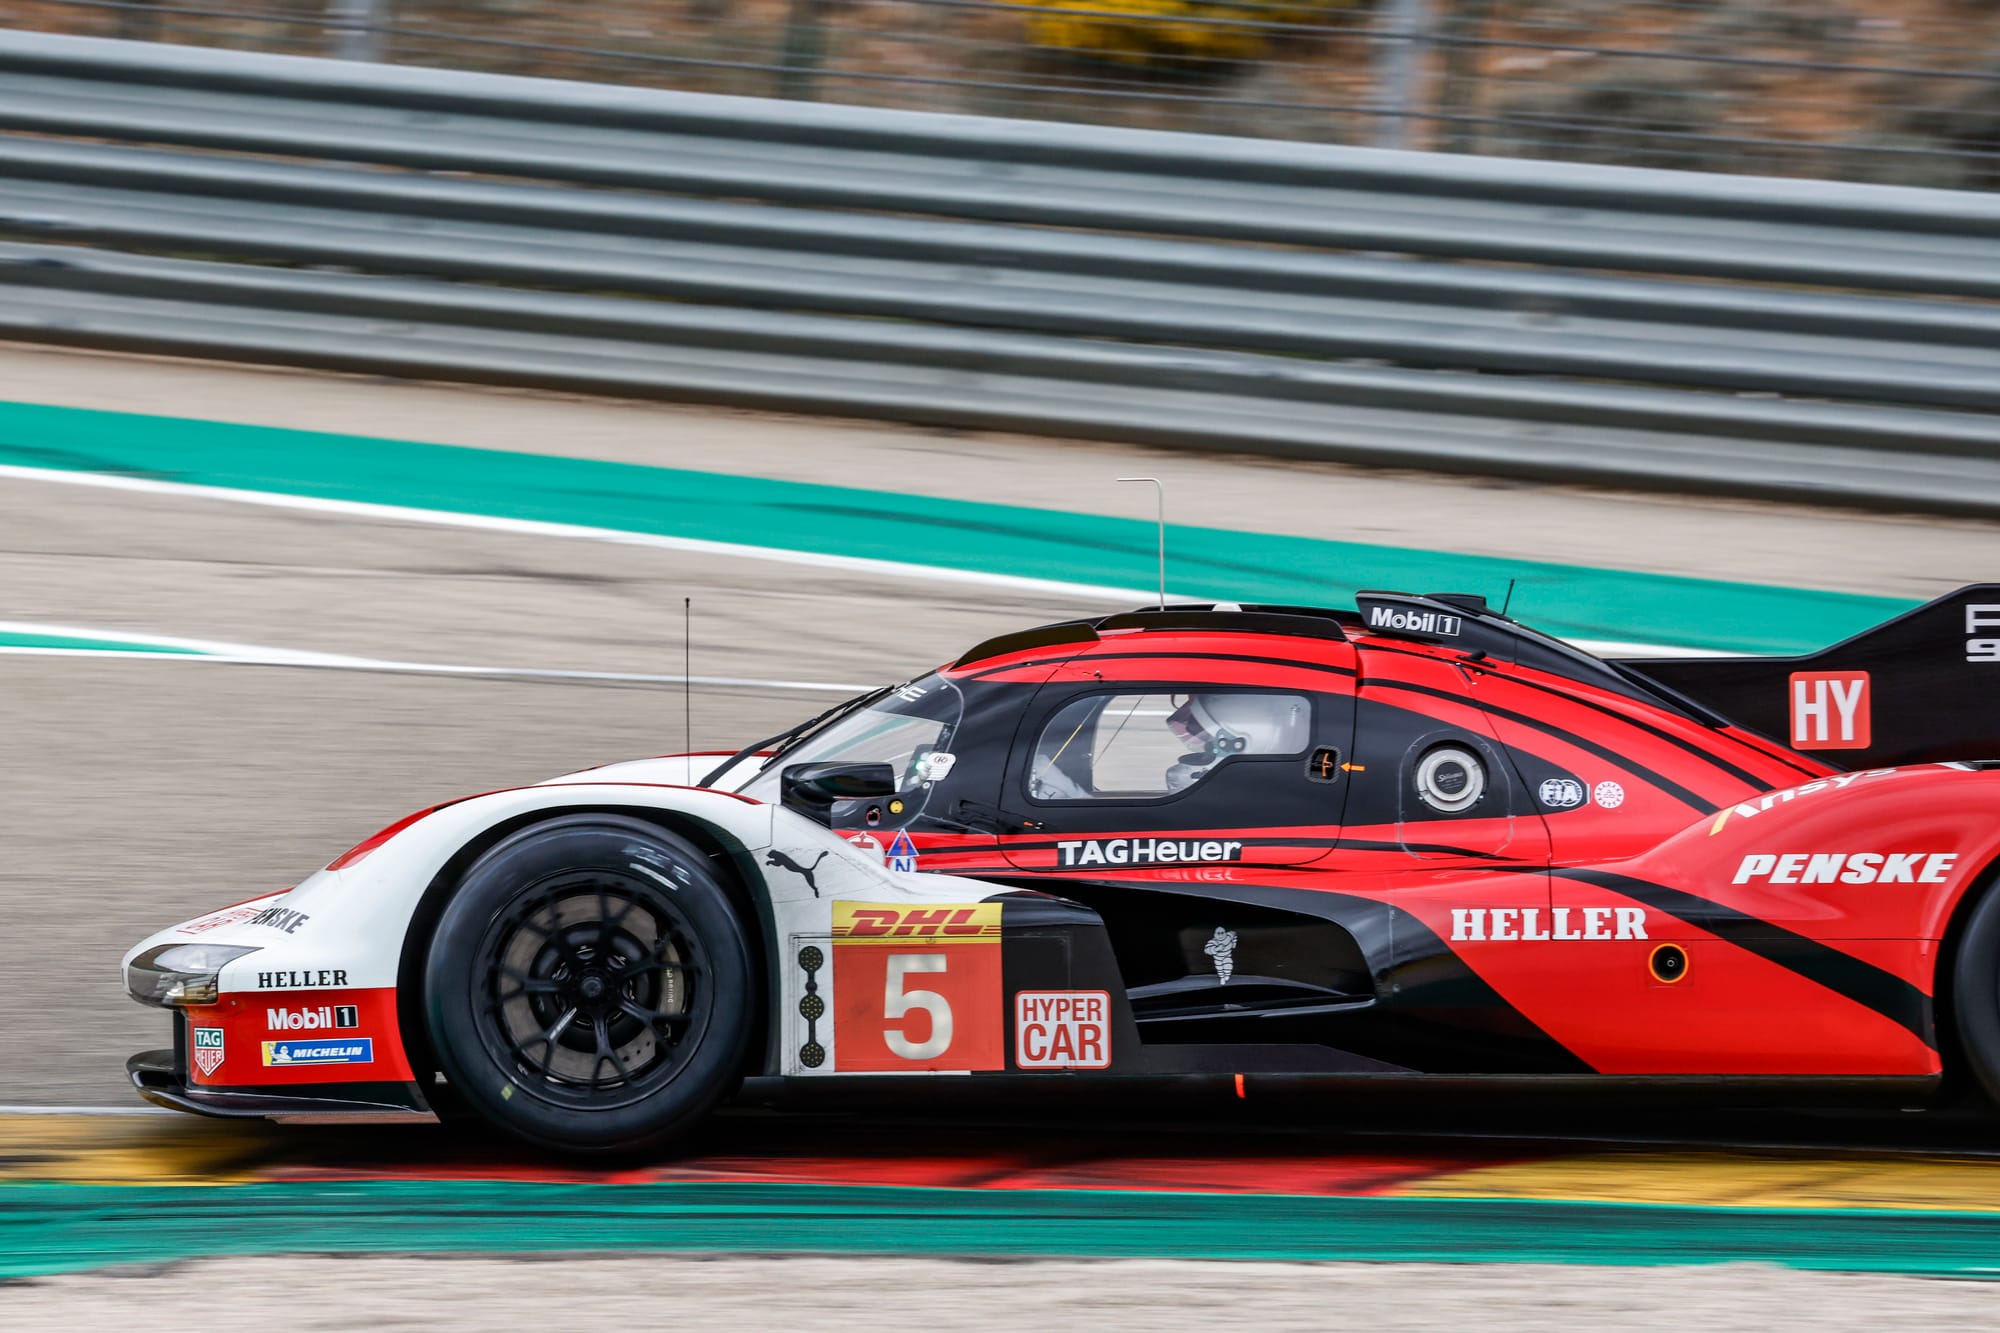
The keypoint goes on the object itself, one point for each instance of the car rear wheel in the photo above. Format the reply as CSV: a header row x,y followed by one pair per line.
x,y
589,986
1976,993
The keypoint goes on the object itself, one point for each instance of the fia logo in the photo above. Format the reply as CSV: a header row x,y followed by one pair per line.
x,y
1561,793
1977,618
1830,710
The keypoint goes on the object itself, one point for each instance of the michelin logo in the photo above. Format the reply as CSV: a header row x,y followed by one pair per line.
x,y
354,1051
1145,851
1414,622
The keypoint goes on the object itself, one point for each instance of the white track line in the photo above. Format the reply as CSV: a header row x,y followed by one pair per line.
x,y
537,528
86,1110
216,651
736,550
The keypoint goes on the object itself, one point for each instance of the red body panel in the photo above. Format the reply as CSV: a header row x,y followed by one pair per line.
x,y
260,1031
1705,837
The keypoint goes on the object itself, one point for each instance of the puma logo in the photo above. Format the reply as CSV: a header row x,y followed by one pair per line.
x,y
777,858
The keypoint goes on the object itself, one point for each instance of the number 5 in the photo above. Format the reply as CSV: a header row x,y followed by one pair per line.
x,y
897,1002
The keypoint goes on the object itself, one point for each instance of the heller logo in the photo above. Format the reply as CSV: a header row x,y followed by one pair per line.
x,y
308,979
312,1020
207,1050
1144,851
1830,710
1977,618
1565,923
1847,868
1414,622
1062,1029
354,1051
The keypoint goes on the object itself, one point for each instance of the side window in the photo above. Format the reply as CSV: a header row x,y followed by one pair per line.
x,y
1139,746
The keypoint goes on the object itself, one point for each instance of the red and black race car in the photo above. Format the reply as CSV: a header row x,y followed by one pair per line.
x,y
1410,845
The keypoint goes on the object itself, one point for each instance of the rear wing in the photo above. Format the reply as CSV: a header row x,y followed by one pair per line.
x,y
1924,686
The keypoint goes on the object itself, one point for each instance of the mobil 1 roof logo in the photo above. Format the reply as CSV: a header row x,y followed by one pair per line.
x,y
1414,622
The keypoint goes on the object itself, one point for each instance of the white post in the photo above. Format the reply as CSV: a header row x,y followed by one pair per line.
x,y
355,28
1402,38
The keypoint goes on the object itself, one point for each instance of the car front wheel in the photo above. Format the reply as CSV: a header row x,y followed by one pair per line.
x,y
589,986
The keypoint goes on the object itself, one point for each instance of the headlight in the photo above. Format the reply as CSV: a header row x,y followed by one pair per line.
x,y
180,974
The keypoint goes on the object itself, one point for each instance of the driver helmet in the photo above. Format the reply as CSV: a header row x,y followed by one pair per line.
x,y
1224,724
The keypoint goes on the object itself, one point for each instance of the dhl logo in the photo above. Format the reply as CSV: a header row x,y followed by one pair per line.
x,y
880,923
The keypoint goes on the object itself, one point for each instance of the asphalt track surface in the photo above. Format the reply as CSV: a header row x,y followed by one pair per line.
x,y
137,793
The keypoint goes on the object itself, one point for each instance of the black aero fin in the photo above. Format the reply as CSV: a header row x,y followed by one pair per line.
x,y
1920,688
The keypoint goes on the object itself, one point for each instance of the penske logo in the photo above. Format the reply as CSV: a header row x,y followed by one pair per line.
x,y
1847,868
1145,851
882,923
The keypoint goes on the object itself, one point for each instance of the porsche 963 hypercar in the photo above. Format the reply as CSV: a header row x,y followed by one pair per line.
x,y
1412,844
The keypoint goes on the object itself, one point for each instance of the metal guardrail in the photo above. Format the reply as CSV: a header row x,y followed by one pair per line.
x,y
1901,94
1730,334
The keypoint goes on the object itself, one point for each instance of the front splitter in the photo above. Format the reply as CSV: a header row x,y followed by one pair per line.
x,y
156,1077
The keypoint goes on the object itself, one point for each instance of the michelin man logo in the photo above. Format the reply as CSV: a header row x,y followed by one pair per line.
x,y
1222,948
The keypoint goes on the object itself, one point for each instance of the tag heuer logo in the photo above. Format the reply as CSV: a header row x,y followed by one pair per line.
x,y
208,1050
1414,622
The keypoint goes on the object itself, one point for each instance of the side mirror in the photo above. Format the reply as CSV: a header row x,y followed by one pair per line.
x,y
812,789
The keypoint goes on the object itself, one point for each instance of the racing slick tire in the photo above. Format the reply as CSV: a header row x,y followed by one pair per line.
x,y
1975,993
589,987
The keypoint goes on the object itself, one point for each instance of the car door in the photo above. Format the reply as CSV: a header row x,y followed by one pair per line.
x,y
1437,784
1111,776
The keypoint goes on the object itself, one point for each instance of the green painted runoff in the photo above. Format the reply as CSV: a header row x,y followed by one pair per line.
x,y
1203,563
10,639
53,1228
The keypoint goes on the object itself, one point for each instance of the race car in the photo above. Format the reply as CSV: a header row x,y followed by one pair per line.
x,y
1414,846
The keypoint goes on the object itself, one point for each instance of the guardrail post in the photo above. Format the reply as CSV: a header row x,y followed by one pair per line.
x,y
355,28
805,47
1403,38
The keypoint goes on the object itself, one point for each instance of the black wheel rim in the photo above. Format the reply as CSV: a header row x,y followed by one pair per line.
x,y
594,989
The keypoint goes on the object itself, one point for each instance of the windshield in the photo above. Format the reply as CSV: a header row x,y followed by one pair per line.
x,y
904,728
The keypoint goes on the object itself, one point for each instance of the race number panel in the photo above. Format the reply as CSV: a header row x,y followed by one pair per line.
x,y
917,987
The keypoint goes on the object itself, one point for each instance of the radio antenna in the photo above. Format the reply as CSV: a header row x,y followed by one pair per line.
x,y
687,671
1508,600
1160,491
